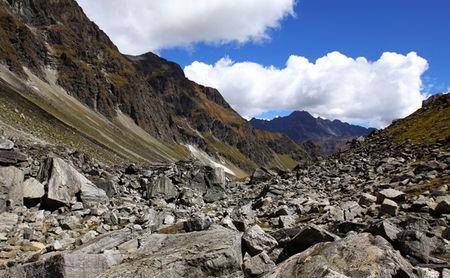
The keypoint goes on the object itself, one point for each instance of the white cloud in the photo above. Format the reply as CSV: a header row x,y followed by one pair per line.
x,y
139,26
335,86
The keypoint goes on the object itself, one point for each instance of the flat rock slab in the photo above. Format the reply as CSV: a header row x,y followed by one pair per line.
x,y
211,253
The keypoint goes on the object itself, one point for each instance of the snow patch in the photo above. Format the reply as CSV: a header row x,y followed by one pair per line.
x,y
207,159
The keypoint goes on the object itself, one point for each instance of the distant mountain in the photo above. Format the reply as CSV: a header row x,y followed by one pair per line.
x,y
301,126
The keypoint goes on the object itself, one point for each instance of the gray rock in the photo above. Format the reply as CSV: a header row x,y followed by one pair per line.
x,y
6,144
260,174
215,176
33,189
360,255
443,206
391,194
258,265
215,253
64,183
11,157
255,241
306,238
427,273
385,229
366,200
11,186
389,207
162,188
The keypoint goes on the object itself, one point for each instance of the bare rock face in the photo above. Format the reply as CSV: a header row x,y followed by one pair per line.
x,y
65,183
361,255
162,188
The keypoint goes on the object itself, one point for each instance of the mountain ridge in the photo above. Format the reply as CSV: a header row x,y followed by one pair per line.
x,y
301,126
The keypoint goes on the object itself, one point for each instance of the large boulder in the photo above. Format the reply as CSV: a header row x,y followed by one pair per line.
x,y
11,186
65,184
358,255
162,188
212,253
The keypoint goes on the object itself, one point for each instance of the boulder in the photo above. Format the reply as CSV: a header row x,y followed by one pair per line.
x,y
357,255
212,253
11,186
162,188
366,200
6,144
255,240
306,238
11,157
65,184
389,207
391,194
443,205
259,175
258,265
385,229
33,189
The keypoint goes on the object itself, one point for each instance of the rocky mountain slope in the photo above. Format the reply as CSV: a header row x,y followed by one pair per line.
x,y
301,126
380,209
140,108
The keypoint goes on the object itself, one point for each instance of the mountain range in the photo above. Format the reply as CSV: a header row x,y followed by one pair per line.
x,y
301,127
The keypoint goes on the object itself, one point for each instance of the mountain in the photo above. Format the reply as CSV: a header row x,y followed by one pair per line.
x,y
301,126
56,64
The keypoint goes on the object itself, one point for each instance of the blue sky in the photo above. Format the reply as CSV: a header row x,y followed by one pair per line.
x,y
353,27
219,44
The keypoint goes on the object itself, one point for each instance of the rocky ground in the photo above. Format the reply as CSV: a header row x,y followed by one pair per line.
x,y
379,210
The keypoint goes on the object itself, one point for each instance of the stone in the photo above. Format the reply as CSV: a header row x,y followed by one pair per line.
x,y
260,174
162,188
366,200
8,220
64,183
6,144
11,186
258,265
385,229
11,157
197,224
357,255
214,193
255,240
33,189
391,194
443,206
243,217
423,272
389,207
215,176
415,245
306,238
212,253
351,210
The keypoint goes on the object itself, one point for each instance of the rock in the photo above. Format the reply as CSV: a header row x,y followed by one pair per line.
x,y
11,186
260,174
351,210
366,200
255,240
243,217
306,238
391,194
427,273
64,183
258,265
385,229
70,223
389,207
11,157
443,206
215,176
357,255
214,193
6,144
8,220
215,253
197,224
33,189
415,245
162,188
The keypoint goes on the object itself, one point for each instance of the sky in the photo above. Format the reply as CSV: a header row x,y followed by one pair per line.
x,y
364,62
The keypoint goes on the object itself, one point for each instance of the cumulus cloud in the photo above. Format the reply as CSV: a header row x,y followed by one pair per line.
x,y
138,26
334,87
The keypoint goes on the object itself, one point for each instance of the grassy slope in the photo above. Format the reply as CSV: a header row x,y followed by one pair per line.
x,y
425,126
